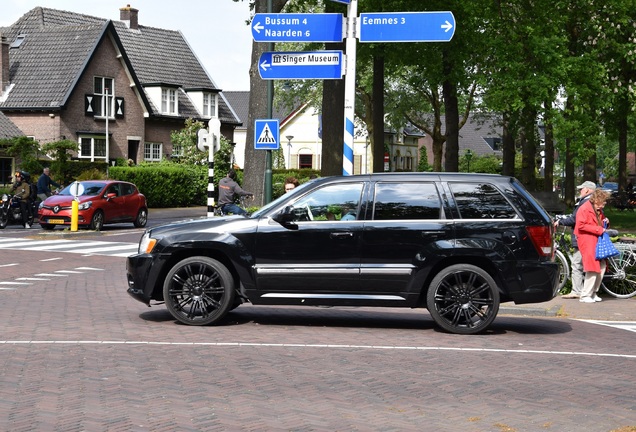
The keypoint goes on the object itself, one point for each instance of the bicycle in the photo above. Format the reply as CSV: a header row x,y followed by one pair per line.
x,y
242,199
562,258
619,279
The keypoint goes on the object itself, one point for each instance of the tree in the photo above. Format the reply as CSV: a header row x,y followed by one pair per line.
x,y
184,144
60,152
255,160
25,150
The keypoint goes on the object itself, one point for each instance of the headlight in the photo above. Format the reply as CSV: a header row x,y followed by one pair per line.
x,y
147,243
85,205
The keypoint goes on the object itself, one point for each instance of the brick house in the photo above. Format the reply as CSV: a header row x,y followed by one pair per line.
x,y
62,72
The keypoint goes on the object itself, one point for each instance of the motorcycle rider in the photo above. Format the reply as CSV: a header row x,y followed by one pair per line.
x,y
22,192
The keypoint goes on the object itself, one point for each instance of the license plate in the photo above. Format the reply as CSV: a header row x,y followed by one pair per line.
x,y
55,221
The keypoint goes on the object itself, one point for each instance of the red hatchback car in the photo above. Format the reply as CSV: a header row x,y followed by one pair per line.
x,y
100,202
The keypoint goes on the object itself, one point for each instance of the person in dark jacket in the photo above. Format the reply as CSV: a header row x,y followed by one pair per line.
x,y
585,190
44,184
228,188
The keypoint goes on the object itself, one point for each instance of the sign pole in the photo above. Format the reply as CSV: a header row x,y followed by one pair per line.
x,y
350,89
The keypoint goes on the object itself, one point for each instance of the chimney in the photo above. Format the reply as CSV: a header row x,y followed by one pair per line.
x,y
4,64
130,16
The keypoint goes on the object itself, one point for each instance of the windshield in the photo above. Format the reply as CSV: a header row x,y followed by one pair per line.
x,y
90,189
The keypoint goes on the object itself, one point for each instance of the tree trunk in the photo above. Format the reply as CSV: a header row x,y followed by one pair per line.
x,y
333,100
508,147
449,92
548,151
377,140
255,160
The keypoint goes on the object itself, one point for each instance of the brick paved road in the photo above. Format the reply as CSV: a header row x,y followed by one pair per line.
x,y
78,354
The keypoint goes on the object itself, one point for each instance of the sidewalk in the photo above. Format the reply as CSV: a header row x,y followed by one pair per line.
x,y
610,309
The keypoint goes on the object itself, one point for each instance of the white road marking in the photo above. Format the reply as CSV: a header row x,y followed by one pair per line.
x,y
623,325
317,346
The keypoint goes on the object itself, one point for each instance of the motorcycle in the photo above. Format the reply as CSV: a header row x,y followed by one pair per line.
x,y
11,213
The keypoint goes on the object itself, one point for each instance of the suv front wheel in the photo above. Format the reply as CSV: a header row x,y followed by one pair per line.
x,y
463,299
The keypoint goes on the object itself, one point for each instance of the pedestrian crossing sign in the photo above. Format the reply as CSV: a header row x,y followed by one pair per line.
x,y
266,135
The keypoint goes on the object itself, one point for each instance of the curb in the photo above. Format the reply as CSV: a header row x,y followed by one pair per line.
x,y
530,311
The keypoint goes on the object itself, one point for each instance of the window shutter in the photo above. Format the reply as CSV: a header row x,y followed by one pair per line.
x,y
119,107
89,109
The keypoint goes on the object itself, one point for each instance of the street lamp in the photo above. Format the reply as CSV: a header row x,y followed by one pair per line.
x,y
289,138
469,156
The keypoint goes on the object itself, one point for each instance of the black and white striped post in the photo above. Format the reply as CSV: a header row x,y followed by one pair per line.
x,y
211,139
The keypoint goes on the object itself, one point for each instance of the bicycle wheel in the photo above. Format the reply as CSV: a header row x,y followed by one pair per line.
x,y
564,270
620,277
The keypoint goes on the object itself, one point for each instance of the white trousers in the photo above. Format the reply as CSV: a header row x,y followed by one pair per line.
x,y
593,282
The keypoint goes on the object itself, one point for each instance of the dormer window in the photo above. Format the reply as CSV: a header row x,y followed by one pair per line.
x,y
208,105
169,101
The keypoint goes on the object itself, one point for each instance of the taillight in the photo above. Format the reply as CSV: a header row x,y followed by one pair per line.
x,y
541,237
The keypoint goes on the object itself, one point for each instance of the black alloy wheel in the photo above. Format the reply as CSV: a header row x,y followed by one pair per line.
x,y
199,291
463,299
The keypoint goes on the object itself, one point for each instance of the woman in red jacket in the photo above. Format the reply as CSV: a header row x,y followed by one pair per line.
x,y
589,225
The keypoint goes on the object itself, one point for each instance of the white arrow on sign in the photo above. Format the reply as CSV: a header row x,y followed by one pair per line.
x,y
258,27
447,26
265,65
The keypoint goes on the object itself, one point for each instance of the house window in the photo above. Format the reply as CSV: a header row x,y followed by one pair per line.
x,y
104,91
305,161
152,152
208,105
169,101
92,147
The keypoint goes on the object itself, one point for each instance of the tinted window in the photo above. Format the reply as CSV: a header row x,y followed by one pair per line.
x,y
127,189
406,201
481,201
333,202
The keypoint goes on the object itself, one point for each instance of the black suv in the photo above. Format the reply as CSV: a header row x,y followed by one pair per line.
x,y
456,244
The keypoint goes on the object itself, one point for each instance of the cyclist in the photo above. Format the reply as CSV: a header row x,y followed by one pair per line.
x,y
228,189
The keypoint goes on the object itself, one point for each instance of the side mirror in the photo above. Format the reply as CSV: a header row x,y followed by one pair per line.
x,y
110,195
285,217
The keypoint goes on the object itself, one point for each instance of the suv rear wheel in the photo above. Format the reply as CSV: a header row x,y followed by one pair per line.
x,y
463,299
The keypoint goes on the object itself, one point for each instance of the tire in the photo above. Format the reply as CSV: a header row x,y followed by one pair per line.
x,y
564,271
47,227
199,291
97,221
463,299
4,221
620,276
142,218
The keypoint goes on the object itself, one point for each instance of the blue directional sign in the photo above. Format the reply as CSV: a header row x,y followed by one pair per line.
x,y
301,27
406,27
266,134
342,1
301,65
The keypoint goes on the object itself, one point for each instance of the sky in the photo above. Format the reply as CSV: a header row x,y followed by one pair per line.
x,y
215,29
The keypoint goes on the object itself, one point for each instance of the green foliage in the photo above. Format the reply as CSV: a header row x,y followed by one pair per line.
x,y
489,164
25,150
184,144
167,184
91,174
423,164
59,152
223,161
